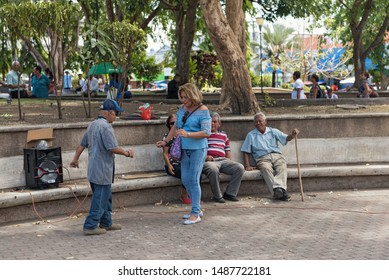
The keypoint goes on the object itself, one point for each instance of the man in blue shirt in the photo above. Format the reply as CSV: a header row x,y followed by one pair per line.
x,y
15,83
40,85
262,144
102,146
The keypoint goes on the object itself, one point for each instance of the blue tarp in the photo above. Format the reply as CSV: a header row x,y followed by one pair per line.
x,y
327,63
332,58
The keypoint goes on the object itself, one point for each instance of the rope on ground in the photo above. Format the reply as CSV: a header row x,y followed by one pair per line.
x,y
66,218
269,206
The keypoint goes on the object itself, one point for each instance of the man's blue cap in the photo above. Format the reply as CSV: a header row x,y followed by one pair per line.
x,y
111,105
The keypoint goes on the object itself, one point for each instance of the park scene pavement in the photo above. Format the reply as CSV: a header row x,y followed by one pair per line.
x,y
328,225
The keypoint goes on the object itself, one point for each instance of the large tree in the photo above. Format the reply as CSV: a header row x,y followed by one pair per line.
x,y
226,36
184,18
364,22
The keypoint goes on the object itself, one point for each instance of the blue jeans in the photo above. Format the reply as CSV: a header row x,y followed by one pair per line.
x,y
192,162
100,208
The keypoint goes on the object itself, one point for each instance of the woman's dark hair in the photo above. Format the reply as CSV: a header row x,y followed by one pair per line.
x,y
314,76
366,75
297,74
168,120
49,74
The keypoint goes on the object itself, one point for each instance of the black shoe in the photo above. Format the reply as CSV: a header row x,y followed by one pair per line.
x,y
278,193
230,197
281,194
218,200
286,197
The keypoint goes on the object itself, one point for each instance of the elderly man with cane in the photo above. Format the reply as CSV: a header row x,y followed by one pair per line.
x,y
262,144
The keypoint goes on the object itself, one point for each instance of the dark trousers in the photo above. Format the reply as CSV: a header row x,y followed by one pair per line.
x,y
23,93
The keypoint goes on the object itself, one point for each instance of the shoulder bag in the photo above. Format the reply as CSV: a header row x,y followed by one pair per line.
x,y
175,148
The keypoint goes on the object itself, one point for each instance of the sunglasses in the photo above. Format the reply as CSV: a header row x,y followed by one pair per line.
x,y
185,116
172,123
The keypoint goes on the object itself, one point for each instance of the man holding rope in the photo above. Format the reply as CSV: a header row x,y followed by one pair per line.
x,y
262,144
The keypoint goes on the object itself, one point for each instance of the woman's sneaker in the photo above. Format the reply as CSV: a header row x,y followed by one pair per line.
x,y
186,216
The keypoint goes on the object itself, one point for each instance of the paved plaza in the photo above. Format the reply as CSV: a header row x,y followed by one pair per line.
x,y
338,225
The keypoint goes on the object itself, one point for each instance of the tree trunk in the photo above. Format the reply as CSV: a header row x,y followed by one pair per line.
x,y
34,52
236,88
357,26
110,12
185,31
235,18
57,65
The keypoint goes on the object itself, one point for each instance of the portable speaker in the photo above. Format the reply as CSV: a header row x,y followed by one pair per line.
x,y
43,167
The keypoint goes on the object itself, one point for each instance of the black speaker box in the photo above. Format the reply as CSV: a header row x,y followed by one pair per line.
x,y
43,167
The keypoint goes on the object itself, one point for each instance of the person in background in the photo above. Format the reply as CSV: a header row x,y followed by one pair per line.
x,y
298,87
14,83
194,126
81,82
172,166
364,89
100,140
67,80
218,161
330,94
50,75
101,82
91,85
315,91
172,87
262,144
40,84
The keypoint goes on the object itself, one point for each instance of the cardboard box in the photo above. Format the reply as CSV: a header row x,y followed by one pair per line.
x,y
34,136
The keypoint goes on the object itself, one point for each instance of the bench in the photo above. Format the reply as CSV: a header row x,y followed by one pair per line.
x,y
326,164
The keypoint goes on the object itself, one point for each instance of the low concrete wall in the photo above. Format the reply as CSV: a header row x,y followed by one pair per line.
x,y
148,158
319,134
129,133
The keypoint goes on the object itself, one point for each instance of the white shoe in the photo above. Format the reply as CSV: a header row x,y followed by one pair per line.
x,y
189,222
186,216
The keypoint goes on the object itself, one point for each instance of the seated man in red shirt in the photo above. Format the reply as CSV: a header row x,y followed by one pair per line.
x,y
219,161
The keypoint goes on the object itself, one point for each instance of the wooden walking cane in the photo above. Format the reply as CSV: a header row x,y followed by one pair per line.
x,y
298,170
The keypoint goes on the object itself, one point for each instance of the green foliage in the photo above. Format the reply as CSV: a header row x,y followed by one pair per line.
x,y
128,38
267,78
62,17
272,9
255,80
145,68
205,62
380,56
95,50
286,86
27,61
5,51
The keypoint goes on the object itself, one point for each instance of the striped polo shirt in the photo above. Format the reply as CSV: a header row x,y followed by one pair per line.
x,y
218,144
